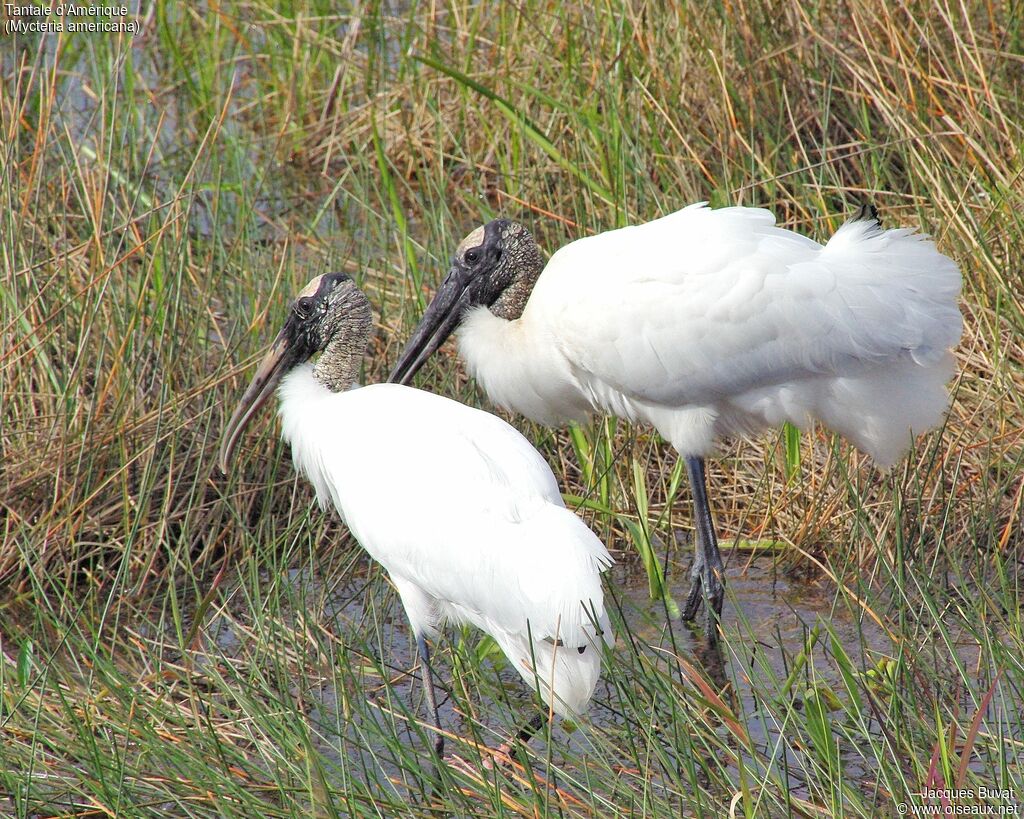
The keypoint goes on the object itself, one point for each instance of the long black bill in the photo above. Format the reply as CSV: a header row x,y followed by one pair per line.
x,y
274,365
442,316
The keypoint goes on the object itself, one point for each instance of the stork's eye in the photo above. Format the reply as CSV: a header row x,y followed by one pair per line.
x,y
304,307
472,256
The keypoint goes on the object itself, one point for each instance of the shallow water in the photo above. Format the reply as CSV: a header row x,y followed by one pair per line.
x,y
778,611
362,700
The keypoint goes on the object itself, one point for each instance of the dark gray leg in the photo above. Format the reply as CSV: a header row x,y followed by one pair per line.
x,y
707,575
524,734
428,689
527,731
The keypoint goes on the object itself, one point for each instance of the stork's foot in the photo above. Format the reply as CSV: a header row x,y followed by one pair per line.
x,y
490,758
501,757
706,586
457,763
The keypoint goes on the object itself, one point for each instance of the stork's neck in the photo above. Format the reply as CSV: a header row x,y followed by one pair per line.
x,y
338,366
518,368
526,263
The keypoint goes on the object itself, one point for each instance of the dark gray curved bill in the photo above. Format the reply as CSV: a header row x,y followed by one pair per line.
x,y
441,317
274,365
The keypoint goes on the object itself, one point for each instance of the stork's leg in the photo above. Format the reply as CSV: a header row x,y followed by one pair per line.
x,y
428,688
525,733
707,575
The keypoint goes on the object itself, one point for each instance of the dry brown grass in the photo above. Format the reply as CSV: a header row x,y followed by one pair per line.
x,y
161,198
130,274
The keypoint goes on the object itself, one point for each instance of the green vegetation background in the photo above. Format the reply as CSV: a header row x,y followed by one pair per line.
x,y
173,642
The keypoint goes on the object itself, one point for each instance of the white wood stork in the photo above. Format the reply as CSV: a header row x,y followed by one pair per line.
x,y
707,323
459,508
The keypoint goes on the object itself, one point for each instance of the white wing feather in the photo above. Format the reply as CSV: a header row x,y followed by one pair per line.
x,y
451,500
705,304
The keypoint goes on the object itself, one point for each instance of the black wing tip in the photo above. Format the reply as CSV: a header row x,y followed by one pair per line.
x,y
559,643
866,213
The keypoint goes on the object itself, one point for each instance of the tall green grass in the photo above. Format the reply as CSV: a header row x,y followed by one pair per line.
x,y
175,642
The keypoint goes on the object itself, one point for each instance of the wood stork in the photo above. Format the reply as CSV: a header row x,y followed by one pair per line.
x,y
459,508
707,323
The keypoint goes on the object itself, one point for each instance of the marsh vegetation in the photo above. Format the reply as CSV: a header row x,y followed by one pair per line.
x,y
176,642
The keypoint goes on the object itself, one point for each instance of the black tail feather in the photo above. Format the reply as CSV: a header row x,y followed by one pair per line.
x,y
866,213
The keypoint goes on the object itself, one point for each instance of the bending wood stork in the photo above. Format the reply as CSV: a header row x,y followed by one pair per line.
x,y
457,506
707,323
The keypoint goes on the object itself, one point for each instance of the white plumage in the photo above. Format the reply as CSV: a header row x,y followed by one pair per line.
x,y
455,504
716,322
465,516
707,323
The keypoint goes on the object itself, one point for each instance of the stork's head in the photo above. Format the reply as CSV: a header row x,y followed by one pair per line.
x,y
330,316
495,266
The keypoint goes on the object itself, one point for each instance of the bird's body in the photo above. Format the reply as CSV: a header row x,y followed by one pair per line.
x,y
707,323
456,505
467,519
753,326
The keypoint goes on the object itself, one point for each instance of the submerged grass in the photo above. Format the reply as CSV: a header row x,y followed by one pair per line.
x,y
174,642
